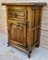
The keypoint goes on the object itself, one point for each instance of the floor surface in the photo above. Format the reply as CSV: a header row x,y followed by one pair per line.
x,y
10,53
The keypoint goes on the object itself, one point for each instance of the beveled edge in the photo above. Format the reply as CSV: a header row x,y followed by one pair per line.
x,y
27,4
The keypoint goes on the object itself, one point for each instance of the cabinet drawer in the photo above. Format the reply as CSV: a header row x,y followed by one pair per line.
x,y
17,13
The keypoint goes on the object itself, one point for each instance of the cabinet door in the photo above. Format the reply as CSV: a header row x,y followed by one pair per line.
x,y
18,32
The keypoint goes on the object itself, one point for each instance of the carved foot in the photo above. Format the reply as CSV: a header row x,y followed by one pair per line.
x,y
29,54
8,44
37,45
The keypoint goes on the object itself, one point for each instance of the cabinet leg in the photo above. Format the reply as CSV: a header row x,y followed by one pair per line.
x,y
29,54
8,44
37,45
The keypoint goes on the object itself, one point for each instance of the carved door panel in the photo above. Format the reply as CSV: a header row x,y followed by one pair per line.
x,y
18,33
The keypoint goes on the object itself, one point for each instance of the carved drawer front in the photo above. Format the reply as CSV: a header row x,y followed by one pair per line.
x,y
17,13
18,32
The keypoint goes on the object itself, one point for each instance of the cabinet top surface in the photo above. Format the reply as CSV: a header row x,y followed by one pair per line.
x,y
28,4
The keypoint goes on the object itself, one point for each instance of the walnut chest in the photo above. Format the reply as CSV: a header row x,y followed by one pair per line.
x,y
23,22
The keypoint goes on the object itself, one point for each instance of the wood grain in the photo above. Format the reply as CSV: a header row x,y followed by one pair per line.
x,y
24,25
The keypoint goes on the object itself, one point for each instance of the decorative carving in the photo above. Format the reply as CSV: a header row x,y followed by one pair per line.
x,y
24,25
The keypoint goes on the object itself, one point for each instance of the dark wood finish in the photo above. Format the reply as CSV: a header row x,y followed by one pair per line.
x,y
24,21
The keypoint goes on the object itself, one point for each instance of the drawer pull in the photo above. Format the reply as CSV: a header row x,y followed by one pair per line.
x,y
15,15
18,25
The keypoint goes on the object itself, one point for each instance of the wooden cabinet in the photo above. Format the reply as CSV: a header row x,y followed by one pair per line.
x,y
23,22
